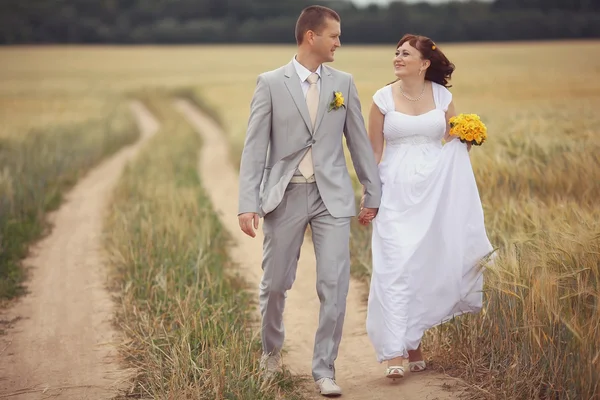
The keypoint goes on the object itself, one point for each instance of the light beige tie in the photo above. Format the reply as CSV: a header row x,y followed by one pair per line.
x,y
312,101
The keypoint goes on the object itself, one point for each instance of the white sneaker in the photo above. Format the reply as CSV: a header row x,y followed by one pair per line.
x,y
270,364
328,387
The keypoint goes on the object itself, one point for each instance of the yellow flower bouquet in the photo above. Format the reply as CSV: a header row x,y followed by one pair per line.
x,y
468,128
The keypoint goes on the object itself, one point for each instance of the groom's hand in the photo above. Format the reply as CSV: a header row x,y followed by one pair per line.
x,y
367,215
248,223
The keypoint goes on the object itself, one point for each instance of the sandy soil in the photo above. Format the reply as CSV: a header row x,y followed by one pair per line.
x,y
358,372
60,342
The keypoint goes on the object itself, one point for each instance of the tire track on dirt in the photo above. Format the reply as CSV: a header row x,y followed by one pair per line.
x,y
62,342
358,373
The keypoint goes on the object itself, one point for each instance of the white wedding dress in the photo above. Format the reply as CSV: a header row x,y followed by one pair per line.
x,y
429,235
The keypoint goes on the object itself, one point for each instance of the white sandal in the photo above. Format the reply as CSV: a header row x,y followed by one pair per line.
x,y
417,366
394,372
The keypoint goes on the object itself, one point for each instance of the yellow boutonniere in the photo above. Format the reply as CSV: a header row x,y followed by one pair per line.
x,y
337,102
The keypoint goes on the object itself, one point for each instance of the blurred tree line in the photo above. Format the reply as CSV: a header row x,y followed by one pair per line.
x,y
272,21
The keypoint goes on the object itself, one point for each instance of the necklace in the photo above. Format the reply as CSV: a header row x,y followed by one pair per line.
x,y
410,98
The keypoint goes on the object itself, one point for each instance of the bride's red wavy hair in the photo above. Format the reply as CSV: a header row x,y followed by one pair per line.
x,y
441,69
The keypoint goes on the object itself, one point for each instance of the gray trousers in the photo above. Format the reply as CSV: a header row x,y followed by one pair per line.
x,y
284,230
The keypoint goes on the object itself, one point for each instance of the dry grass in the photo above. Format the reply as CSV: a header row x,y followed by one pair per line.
x,y
538,177
187,323
186,319
49,138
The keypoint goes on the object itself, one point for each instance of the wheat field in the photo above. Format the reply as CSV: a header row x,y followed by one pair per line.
x,y
538,176
539,180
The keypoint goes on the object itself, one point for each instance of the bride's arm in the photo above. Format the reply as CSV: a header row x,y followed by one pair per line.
x,y
451,112
376,132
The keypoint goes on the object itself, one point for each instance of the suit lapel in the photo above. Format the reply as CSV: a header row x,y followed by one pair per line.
x,y
292,82
325,94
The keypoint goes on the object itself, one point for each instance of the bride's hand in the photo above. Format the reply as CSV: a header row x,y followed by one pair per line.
x,y
362,219
367,215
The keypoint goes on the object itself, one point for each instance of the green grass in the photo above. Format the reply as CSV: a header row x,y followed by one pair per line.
x,y
36,168
186,315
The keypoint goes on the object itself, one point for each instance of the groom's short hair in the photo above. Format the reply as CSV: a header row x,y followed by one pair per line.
x,y
313,19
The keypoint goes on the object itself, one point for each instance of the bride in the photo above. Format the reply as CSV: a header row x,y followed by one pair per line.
x,y
429,235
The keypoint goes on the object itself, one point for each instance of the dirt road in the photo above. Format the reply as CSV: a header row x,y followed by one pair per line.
x,y
60,344
358,373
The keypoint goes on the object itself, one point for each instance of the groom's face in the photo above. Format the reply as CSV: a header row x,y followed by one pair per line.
x,y
327,41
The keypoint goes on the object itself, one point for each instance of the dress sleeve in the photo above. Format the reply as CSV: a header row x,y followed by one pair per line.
x,y
381,101
442,97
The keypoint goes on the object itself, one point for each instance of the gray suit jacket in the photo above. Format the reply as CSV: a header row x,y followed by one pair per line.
x,y
279,134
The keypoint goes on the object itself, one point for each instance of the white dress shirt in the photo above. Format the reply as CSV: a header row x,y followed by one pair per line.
x,y
304,73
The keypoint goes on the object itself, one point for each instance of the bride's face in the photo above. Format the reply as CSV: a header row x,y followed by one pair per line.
x,y
407,61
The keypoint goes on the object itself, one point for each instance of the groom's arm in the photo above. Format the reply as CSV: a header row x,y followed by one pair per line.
x,y
361,150
256,144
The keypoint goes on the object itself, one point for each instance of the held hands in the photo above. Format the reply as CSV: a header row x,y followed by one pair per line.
x,y
366,214
248,223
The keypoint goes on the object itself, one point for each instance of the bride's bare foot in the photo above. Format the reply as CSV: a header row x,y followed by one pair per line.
x,y
396,362
415,360
395,368
415,355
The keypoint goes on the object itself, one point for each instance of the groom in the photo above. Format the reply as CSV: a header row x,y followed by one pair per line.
x,y
293,173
